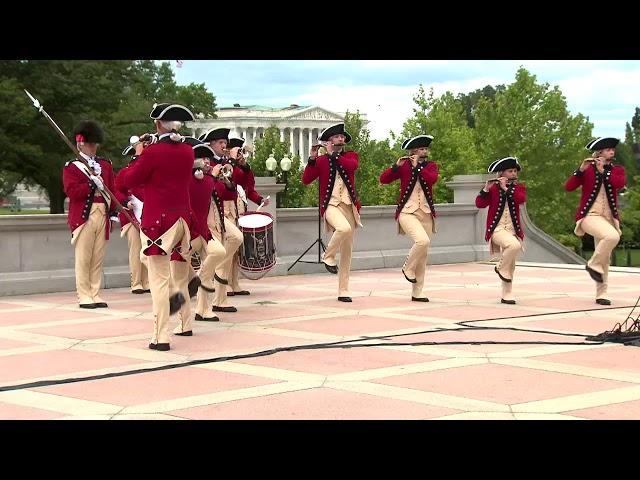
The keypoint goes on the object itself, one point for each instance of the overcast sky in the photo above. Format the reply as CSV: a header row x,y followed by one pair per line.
x,y
605,91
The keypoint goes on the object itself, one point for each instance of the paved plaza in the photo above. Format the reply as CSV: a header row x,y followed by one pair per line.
x,y
421,360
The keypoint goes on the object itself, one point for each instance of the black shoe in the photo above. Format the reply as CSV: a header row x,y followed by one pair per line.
x,y
175,302
220,280
508,302
224,309
200,318
207,289
101,305
331,268
412,280
501,277
138,291
146,290
345,299
596,276
194,283
163,347
88,305
241,292
185,334
419,299
603,301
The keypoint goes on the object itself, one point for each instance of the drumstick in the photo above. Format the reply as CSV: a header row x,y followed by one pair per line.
x,y
262,204
242,194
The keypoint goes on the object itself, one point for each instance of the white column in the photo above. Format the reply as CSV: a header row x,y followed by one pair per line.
x,y
281,134
301,143
291,150
241,132
310,138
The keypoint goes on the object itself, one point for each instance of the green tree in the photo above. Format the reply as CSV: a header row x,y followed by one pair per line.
x,y
268,144
453,147
117,94
470,100
531,121
373,156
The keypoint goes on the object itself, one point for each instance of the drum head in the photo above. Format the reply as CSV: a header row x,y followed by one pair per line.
x,y
254,220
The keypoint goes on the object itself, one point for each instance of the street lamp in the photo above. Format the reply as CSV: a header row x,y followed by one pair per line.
x,y
271,164
285,165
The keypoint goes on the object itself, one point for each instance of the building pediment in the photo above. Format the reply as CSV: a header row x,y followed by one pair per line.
x,y
315,113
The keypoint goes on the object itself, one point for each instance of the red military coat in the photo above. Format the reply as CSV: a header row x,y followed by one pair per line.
x,y
497,201
326,171
164,169
613,179
409,176
82,193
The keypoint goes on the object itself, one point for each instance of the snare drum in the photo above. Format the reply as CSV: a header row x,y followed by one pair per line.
x,y
257,254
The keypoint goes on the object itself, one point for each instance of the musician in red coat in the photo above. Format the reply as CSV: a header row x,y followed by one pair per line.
x,y
226,229
248,183
164,169
339,202
504,195
133,200
415,212
597,213
90,211
203,189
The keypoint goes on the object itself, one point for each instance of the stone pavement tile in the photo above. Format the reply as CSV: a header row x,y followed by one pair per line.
x,y
471,312
277,293
156,386
107,327
554,287
581,323
212,343
9,411
365,302
256,313
141,306
614,358
45,315
338,360
458,267
7,344
465,279
5,306
501,383
461,293
15,368
565,302
350,325
316,404
616,411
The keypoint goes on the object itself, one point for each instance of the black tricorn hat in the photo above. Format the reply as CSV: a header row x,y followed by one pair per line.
x,y
215,134
192,141
171,112
504,164
235,142
417,142
88,131
203,151
336,129
602,143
